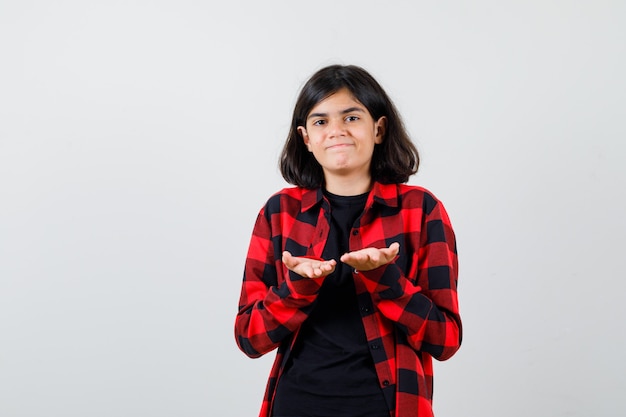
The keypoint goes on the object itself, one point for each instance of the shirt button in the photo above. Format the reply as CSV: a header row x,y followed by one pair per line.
x,y
375,346
355,232
365,309
385,383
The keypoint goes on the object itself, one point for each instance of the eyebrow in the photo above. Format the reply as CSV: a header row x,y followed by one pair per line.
x,y
348,110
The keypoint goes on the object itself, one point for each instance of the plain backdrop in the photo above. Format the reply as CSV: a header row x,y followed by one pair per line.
x,y
139,139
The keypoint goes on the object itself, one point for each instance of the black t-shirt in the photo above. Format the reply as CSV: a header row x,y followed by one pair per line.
x,y
330,371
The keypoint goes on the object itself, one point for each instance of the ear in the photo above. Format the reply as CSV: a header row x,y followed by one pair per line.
x,y
305,136
380,128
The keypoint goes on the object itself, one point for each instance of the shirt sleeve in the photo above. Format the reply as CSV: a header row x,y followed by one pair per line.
x,y
423,306
274,301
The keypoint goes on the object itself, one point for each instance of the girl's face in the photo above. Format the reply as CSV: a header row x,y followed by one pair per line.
x,y
341,134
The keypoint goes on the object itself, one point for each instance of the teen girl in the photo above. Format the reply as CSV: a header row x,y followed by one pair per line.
x,y
351,274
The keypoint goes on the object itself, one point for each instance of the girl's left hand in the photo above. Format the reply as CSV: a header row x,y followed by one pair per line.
x,y
371,258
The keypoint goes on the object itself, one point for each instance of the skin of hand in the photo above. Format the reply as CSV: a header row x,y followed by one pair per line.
x,y
371,258
307,267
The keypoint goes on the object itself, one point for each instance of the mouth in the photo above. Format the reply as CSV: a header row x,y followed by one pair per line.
x,y
339,146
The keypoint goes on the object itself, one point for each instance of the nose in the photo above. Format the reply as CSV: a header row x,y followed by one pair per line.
x,y
336,127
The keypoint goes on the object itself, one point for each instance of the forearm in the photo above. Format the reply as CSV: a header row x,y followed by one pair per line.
x,y
430,321
269,315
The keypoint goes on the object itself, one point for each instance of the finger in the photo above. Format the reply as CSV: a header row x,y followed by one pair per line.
x,y
329,266
288,260
321,270
395,247
307,270
392,250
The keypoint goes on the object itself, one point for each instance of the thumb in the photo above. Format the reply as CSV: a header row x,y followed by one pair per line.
x,y
394,249
287,258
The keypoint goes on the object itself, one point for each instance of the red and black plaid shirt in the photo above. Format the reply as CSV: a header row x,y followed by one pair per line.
x,y
409,307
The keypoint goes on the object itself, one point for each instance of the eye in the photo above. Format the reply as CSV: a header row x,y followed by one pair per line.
x,y
352,118
319,122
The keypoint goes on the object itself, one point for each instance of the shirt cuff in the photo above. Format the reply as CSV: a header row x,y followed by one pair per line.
x,y
301,287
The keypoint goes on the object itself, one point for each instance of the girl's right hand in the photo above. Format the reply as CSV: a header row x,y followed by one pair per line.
x,y
308,267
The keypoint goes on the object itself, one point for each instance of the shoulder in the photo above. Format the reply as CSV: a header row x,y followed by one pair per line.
x,y
417,196
292,193
287,199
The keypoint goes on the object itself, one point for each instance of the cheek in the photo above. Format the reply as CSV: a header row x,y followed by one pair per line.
x,y
315,139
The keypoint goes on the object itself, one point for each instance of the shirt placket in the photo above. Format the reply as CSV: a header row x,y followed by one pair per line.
x,y
371,319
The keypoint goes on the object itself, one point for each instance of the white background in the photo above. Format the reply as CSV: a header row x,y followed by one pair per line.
x,y
139,139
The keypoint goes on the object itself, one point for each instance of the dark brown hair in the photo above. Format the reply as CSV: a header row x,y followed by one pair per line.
x,y
394,160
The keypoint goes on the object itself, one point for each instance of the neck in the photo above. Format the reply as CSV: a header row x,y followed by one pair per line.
x,y
347,186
